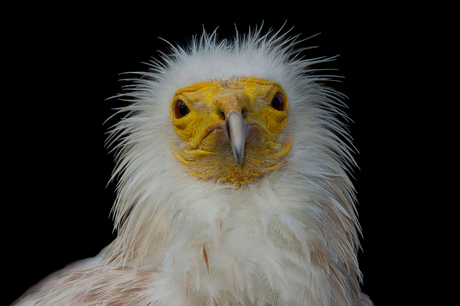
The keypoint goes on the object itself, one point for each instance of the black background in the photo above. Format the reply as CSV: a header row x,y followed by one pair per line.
x,y
67,61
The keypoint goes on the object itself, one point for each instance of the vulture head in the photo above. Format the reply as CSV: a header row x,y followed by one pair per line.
x,y
233,187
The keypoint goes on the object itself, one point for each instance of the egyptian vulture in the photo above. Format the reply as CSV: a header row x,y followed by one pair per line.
x,y
233,187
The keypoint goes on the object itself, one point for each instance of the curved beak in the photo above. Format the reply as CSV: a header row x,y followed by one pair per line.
x,y
236,129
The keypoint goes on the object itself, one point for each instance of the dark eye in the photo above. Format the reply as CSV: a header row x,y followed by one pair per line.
x,y
180,109
278,102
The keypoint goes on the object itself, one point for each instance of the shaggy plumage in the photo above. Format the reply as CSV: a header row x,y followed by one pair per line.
x,y
289,238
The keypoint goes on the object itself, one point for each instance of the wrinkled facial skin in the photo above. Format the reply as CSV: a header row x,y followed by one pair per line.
x,y
199,113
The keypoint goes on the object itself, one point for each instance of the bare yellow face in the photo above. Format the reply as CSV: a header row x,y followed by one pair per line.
x,y
232,132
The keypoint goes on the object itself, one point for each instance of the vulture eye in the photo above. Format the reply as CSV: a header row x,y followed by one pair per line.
x,y
278,102
180,109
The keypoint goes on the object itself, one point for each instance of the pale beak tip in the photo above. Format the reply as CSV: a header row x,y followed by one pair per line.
x,y
236,131
239,157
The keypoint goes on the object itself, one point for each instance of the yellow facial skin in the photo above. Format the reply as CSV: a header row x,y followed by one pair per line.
x,y
202,144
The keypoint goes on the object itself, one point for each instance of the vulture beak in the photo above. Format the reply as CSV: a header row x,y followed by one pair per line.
x,y
236,128
233,103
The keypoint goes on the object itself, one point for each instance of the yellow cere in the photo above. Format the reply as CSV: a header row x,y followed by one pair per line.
x,y
202,144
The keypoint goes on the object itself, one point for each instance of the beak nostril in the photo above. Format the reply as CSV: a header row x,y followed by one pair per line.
x,y
231,100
